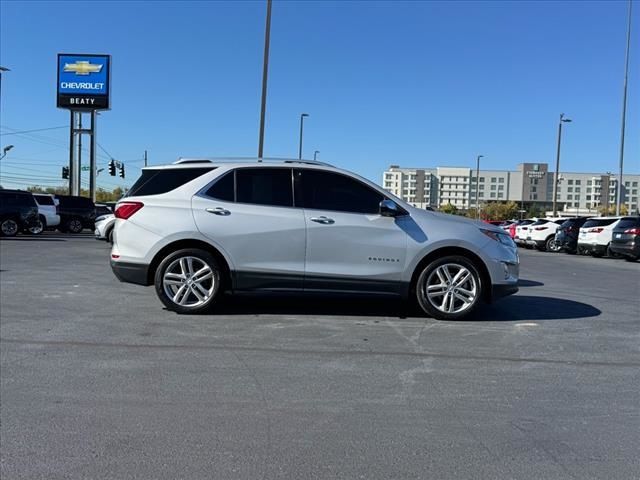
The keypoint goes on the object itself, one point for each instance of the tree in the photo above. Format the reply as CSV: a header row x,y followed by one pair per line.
x,y
102,195
449,208
500,210
534,211
624,210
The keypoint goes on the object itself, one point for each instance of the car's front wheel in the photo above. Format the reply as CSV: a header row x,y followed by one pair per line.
x,y
188,281
449,288
551,245
9,227
38,227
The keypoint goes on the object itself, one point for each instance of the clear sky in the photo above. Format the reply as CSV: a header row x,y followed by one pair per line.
x,y
408,83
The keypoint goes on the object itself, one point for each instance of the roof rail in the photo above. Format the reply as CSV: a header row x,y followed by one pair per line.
x,y
309,162
182,161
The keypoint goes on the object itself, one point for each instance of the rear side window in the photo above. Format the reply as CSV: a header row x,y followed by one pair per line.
x,y
629,223
596,222
264,186
156,182
44,200
11,199
332,191
223,188
75,202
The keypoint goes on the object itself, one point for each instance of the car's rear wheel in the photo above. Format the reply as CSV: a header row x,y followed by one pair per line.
x,y
38,227
110,236
9,227
449,288
551,245
188,281
74,225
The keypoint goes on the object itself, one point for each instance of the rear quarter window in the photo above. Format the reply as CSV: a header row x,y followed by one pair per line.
x,y
44,200
629,223
156,182
596,222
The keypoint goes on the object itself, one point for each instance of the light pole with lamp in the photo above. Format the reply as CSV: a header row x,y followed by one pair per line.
x,y
302,115
478,186
556,178
5,150
315,155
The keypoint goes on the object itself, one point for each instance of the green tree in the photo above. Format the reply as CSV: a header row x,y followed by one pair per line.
x,y
500,211
449,208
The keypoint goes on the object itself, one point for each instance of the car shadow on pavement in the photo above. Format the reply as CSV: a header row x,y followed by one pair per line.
x,y
525,307
514,308
31,239
529,283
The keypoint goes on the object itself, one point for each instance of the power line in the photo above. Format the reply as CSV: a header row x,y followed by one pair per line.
x,y
30,131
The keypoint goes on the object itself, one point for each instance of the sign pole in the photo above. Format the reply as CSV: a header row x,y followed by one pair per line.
x,y
72,147
78,188
92,158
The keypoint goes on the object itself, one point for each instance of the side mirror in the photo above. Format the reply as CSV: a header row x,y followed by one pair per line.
x,y
388,208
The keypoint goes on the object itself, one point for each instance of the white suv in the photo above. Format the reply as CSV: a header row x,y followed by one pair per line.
x,y
196,228
542,234
595,235
47,213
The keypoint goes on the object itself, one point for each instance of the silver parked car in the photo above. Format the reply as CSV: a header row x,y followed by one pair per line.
x,y
198,227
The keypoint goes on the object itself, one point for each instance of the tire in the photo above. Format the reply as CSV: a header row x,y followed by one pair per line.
x,y
74,225
551,245
110,236
180,266
611,254
39,226
440,273
9,227
631,259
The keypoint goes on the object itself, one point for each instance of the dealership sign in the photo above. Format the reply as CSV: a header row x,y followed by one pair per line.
x,y
83,81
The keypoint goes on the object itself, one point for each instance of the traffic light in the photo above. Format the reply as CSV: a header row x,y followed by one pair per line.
x,y
112,168
122,170
65,172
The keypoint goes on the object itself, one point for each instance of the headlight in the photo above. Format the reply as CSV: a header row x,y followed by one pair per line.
x,y
503,238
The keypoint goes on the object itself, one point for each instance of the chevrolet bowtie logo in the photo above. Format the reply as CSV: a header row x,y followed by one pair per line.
x,y
82,67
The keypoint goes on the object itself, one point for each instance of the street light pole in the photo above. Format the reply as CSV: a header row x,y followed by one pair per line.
x,y
265,71
302,116
2,69
556,179
5,150
315,155
478,185
624,114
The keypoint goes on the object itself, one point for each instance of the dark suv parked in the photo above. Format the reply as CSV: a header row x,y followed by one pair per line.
x,y
76,213
567,234
625,240
18,211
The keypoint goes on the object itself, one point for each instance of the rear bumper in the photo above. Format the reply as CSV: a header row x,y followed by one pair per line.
x,y
137,273
592,248
631,249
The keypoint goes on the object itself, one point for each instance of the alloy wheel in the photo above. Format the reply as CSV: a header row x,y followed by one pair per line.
x,y
450,288
188,281
9,228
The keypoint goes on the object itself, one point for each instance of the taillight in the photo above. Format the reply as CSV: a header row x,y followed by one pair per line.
x,y
125,209
633,231
540,228
595,230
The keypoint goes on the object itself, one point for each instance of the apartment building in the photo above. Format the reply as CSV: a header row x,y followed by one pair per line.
x,y
530,184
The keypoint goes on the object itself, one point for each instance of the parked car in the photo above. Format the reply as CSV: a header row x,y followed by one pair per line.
x,y
197,229
567,234
520,234
625,239
542,234
18,211
47,213
104,227
76,213
595,236
103,209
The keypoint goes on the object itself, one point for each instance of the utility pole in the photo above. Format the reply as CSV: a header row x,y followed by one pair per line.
x,y
2,69
145,158
624,113
556,179
302,116
265,71
478,186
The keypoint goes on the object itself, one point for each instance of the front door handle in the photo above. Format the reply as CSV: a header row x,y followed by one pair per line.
x,y
323,220
219,211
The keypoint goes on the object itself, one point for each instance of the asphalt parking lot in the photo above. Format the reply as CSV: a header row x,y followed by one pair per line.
x,y
98,381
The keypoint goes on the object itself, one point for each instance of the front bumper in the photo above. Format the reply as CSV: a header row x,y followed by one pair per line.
x,y
503,290
137,273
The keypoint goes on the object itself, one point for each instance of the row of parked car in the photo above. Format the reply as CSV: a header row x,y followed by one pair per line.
x,y
597,236
26,212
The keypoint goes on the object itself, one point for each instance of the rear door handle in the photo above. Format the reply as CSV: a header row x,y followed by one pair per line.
x,y
219,211
323,220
